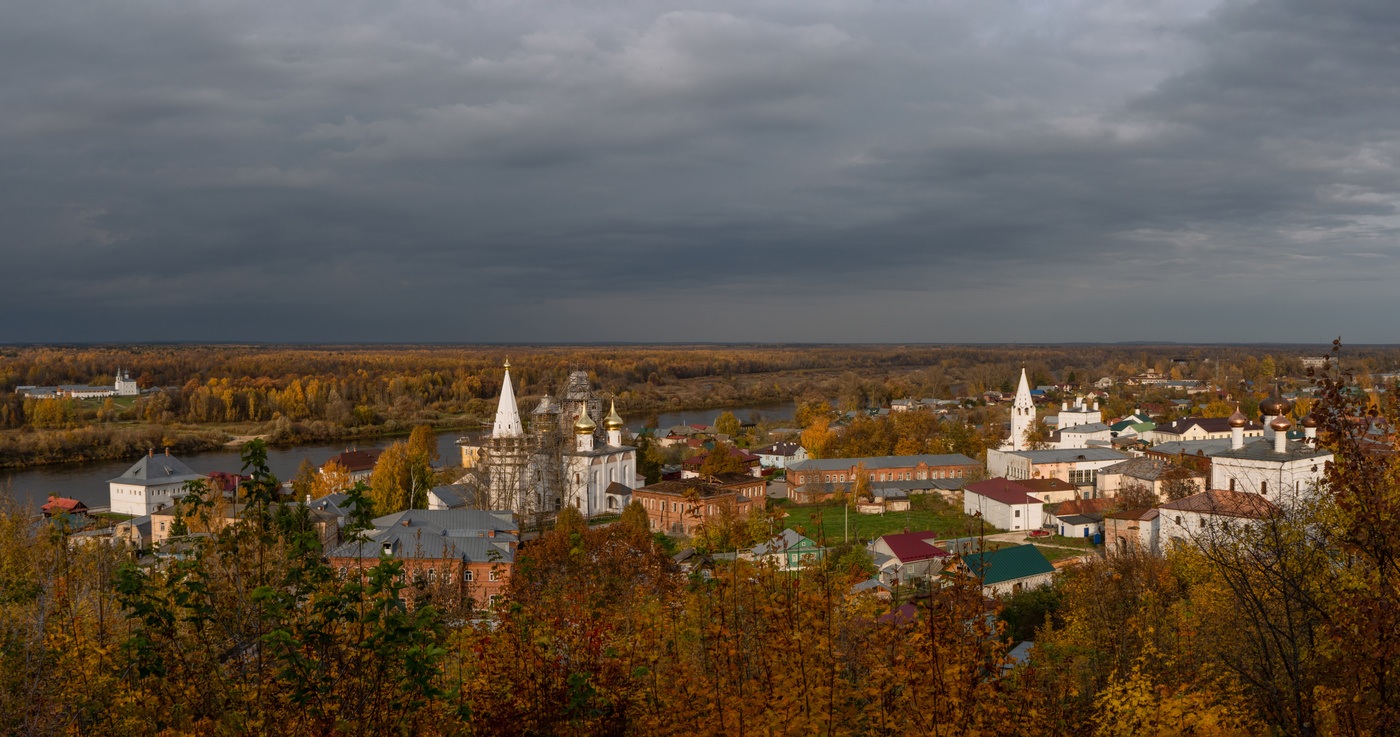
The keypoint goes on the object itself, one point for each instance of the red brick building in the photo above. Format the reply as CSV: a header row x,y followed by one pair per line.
x,y
467,554
678,507
882,468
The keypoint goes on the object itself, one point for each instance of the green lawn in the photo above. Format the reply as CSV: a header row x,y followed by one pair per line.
x,y
945,521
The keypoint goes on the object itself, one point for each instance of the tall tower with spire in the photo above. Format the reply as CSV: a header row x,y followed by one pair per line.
x,y
509,479
1022,413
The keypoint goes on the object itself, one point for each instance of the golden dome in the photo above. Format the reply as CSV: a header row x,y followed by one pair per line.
x,y
1280,423
1238,419
613,421
1310,420
1275,406
585,424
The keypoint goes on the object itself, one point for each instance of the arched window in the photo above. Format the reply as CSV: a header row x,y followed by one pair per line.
x,y
468,576
432,575
1232,484
1178,520
1263,487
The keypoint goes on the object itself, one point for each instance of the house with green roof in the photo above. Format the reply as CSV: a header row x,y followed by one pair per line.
x,y
1008,570
789,551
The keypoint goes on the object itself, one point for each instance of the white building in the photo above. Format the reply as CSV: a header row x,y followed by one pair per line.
x,y
1077,466
126,386
1022,415
781,455
1079,414
1003,504
1210,513
598,478
1082,436
154,483
1273,464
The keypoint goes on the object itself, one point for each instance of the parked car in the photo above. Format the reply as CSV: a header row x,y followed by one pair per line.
x,y
1040,533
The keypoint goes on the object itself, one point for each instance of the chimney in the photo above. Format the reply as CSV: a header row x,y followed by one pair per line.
x,y
167,451
308,498
492,533
151,453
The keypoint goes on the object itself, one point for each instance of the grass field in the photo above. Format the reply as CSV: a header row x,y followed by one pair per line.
x,y
944,520
1053,554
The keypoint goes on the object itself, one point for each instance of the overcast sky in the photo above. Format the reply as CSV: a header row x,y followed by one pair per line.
x,y
810,170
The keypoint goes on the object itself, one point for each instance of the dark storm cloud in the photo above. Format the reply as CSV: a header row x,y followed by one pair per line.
x,y
733,171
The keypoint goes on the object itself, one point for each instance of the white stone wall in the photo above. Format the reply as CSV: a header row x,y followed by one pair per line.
x,y
142,500
1269,478
1025,584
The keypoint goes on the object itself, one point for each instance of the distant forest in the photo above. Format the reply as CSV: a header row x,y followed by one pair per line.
x,y
295,393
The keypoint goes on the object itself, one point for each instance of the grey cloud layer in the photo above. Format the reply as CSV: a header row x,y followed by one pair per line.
x,y
817,171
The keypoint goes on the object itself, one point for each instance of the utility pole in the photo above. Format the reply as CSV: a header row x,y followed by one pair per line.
x,y
848,522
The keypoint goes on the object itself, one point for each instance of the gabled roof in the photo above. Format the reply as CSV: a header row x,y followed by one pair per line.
x,y
1008,564
912,546
1080,519
1223,503
870,584
1082,506
1001,490
356,461
157,470
1150,469
63,504
471,535
1206,448
785,449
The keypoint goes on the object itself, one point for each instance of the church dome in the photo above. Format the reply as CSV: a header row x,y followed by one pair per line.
x,y
1310,420
1238,419
1275,406
613,421
1280,424
585,424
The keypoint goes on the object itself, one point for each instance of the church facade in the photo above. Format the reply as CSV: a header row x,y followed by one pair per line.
x,y
569,454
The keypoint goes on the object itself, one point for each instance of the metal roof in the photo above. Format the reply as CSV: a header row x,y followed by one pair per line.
x,y
878,462
157,470
1008,564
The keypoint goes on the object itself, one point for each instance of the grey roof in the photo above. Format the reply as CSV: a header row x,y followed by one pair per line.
x,y
436,534
452,519
1263,450
878,462
884,488
408,544
1149,469
1205,448
142,523
1073,454
450,495
1079,519
867,584
156,470
784,449
333,503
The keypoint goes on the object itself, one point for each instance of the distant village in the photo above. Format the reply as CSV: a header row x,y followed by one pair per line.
x,y
1066,483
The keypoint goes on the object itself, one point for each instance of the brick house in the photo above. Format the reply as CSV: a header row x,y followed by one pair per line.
x,y
679,507
882,468
464,554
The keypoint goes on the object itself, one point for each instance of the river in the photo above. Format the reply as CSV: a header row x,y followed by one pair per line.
x,y
87,482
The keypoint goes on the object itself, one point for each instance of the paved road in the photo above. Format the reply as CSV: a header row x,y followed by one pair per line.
x,y
1020,537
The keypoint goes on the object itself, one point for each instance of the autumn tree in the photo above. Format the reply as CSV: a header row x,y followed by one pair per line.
x,y
1038,435
722,459
304,482
817,437
331,479
1134,494
635,516
392,481
728,424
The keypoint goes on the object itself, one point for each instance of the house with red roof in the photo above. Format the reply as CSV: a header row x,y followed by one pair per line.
x,y
1004,504
358,463
690,467
908,556
63,505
